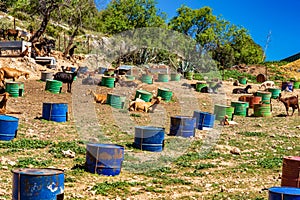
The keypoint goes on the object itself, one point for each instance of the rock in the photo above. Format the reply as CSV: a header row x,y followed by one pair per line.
x,y
235,151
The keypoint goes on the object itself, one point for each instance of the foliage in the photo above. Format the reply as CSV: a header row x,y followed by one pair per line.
x,y
251,134
26,162
75,146
25,144
120,187
270,163
235,74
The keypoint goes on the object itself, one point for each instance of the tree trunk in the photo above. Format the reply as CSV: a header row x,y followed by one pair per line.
x,y
70,42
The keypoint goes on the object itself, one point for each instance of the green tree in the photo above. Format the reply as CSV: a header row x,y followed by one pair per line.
x,y
122,15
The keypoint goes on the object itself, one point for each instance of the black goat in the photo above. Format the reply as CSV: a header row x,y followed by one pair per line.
x,y
66,77
242,90
213,89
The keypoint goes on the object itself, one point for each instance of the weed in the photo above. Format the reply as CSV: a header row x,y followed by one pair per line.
x,y
270,163
204,166
75,146
25,144
252,134
119,187
26,162
135,115
194,174
171,181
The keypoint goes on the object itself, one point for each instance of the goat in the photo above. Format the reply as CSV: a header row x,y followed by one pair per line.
x,y
292,102
131,104
213,89
242,90
144,106
98,98
7,72
12,32
3,102
236,83
66,77
267,84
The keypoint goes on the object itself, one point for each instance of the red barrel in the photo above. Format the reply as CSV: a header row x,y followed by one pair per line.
x,y
291,171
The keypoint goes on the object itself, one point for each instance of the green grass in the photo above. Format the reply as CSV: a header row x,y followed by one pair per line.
x,y
75,146
252,134
26,162
111,188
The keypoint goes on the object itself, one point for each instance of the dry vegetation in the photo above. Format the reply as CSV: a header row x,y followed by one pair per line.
x,y
195,168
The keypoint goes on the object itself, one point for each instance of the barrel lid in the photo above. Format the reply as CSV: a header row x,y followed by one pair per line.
x,y
297,158
52,80
105,145
182,117
285,190
239,102
55,103
144,92
165,89
38,171
8,118
224,106
108,77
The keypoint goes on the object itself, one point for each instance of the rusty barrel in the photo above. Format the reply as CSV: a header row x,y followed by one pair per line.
x,y
291,171
104,159
251,100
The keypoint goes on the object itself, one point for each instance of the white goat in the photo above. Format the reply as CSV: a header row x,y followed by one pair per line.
x,y
267,84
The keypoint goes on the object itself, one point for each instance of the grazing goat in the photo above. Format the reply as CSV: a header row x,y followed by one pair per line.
x,y
3,105
98,98
242,90
7,72
236,83
12,32
267,84
213,89
66,77
292,102
144,106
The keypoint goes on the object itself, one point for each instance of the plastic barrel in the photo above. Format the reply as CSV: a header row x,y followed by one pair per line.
x,y
115,101
284,193
147,78
108,81
240,108
297,85
221,110
291,171
8,127
262,110
260,78
183,126
274,92
149,138
200,85
265,96
251,100
204,120
46,75
163,77
189,75
57,112
53,86
242,80
175,77
287,85
130,77
104,159
34,184
15,89
143,94
165,94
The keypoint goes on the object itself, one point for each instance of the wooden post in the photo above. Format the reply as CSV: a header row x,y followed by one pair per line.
x,y
58,42
15,23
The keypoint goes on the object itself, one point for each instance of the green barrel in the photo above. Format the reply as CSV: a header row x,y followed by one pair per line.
x,y
130,77
163,77
297,85
15,89
200,85
143,94
108,81
221,110
175,77
147,78
265,96
189,75
53,86
165,94
242,80
274,92
240,108
262,110
115,101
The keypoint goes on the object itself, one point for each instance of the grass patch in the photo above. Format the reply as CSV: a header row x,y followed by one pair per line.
x,y
75,146
119,187
171,181
204,166
194,174
26,162
25,144
270,163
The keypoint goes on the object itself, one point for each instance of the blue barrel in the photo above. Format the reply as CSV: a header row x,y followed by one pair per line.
x,y
204,120
284,193
287,85
34,184
104,159
57,112
183,126
149,138
8,127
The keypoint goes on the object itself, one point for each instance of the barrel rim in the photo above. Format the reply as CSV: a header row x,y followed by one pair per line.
x,y
18,171
144,92
292,158
150,127
53,103
286,190
106,145
9,117
183,117
165,89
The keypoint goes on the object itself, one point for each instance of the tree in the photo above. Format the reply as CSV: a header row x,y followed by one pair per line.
x,y
122,15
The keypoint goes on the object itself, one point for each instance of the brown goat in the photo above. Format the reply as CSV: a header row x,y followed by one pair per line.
x,y
292,102
98,98
3,105
6,72
144,106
